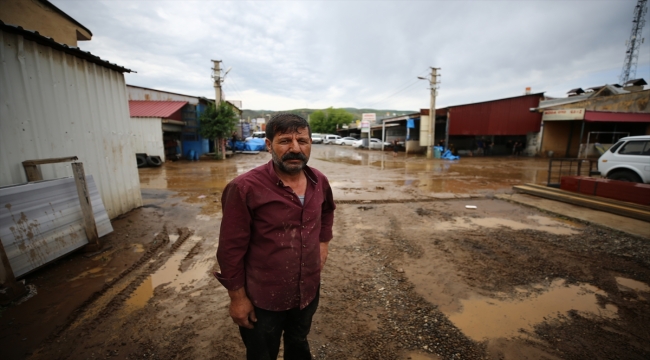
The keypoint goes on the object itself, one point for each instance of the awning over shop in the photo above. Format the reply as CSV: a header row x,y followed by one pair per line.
x,y
156,109
607,116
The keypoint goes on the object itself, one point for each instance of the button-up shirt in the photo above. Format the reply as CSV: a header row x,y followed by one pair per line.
x,y
269,242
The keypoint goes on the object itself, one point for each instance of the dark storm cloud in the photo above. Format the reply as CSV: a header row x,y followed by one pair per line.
x,y
361,53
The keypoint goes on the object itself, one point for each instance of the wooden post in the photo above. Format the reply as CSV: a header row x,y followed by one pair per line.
x,y
7,279
33,172
86,207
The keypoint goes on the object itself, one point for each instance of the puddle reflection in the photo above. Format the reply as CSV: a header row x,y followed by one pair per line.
x,y
485,318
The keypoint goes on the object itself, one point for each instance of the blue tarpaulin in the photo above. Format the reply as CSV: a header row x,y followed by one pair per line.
x,y
238,145
255,144
447,155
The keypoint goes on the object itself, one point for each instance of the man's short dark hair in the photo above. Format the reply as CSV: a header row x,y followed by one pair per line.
x,y
284,123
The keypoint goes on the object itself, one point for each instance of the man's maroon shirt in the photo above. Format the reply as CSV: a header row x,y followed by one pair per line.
x,y
269,242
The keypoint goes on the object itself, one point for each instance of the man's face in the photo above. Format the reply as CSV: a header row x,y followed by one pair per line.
x,y
290,151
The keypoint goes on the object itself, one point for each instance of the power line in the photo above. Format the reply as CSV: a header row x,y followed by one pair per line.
x,y
401,89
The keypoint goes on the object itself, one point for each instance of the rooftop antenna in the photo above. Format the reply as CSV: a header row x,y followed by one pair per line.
x,y
634,43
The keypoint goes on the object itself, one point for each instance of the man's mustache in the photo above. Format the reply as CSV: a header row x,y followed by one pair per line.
x,y
294,156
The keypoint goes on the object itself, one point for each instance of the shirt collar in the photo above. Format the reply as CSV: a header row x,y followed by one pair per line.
x,y
308,172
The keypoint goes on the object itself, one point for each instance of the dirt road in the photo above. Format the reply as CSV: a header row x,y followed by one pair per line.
x,y
412,273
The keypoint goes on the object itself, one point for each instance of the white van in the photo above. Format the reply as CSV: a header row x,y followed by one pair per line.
x,y
330,139
316,138
627,160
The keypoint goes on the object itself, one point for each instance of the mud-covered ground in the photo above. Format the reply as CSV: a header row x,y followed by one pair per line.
x,y
412,273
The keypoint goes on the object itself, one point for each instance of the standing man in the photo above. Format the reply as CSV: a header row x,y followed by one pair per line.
x,y
276,227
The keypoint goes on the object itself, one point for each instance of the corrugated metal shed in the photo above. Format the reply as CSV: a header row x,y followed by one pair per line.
x,y
42,221
510,116
156,109
57,101
148,136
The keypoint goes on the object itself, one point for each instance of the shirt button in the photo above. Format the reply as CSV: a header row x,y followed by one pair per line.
x,y
304,246
303,264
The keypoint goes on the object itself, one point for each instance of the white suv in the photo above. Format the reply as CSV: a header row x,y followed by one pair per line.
x,y
627,160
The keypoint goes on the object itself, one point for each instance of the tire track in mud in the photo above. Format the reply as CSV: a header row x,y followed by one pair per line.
x,y
112,296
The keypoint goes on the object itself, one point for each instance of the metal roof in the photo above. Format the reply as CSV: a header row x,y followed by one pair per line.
x,y
47,41
155,109
615,90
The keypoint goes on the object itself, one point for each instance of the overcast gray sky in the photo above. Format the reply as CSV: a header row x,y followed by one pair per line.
x,y
294,54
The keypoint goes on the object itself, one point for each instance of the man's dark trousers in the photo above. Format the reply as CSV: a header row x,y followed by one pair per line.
x,y
263,341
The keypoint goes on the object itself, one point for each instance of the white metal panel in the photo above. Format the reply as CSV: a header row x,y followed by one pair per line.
x,y
42,221
148,136
54,104
138,93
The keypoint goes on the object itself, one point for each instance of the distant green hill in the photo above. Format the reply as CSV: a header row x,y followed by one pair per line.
x,y
253,114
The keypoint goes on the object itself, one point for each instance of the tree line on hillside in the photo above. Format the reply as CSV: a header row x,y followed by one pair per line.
x,y
307,113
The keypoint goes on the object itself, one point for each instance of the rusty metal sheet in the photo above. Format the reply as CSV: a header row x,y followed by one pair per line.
x,y
510,116
42,221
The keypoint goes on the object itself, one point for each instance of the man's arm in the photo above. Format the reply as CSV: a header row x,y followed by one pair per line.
x,y
234,238
242,311
324,248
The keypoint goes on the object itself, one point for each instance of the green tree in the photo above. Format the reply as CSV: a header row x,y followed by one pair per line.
x,y
326,121
218,123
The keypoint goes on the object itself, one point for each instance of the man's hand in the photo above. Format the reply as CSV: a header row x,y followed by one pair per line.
x,y
242,311
324,246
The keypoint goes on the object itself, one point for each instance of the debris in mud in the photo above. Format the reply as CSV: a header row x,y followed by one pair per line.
x,y
364,208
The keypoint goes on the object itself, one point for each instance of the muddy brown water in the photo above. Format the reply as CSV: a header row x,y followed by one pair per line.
x,y
407,277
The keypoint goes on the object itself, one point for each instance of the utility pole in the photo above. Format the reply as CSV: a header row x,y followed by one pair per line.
x,y
634,43
433,85
216,75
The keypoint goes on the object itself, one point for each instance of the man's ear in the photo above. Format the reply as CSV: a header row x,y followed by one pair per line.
x,y
268,144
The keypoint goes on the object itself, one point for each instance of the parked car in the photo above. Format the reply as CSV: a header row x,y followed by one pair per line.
x,y
627,160
257,135
316,138
330,139
345,141
374,144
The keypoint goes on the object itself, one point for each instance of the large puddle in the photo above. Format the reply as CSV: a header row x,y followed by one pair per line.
x,y
173,275
351,168
486,318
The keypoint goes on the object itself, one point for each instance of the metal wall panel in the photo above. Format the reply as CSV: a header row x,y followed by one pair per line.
x,y
148,136
54,104
499,117
139,93
42,221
